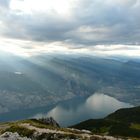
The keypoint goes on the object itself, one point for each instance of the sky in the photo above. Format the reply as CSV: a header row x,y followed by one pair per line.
x,y
106,27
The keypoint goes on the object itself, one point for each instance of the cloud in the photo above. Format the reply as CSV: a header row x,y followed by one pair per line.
x,y
4,3
74,22
31,48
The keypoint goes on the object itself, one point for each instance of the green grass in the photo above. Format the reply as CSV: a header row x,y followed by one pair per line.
x,y
135,126
37,124
25,132
111,128
124,122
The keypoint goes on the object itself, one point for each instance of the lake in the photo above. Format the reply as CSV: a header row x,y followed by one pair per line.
x,y
74,111
71,111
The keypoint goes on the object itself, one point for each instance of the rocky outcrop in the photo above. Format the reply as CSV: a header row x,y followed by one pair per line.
x,y
49,121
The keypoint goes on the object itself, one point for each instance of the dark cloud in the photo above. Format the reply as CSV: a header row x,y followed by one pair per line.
x,y
91,22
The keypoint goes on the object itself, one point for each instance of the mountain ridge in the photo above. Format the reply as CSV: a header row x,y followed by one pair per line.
x,y
123,122
112,127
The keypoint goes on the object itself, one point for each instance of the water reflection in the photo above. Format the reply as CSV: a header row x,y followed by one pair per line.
x,y
74,111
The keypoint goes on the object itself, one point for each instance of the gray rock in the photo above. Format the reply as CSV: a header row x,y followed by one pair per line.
x,y
12,136
49,121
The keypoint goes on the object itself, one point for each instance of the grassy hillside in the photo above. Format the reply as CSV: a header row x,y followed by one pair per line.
x,y
128,115
124,122
38,130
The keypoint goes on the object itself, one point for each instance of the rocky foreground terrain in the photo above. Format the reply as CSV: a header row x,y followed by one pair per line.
x,y
45,129
123,124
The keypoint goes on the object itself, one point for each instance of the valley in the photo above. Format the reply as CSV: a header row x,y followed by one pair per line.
x,y
42,82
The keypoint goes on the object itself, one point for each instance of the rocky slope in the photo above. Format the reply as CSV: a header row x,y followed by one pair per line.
x,y
45,129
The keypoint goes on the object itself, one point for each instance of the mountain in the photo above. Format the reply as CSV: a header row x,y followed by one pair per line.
x,y
123,122
44,129
45,80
